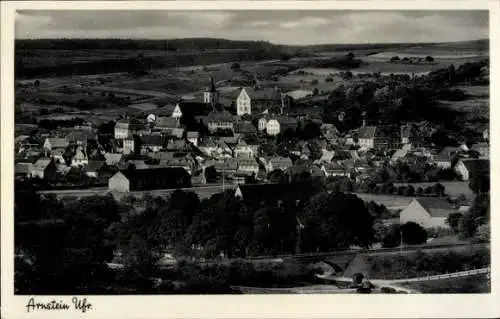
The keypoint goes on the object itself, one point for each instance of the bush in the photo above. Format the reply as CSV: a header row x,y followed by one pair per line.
x,y
413,234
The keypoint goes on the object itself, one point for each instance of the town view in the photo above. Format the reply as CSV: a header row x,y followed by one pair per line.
x,y
225,152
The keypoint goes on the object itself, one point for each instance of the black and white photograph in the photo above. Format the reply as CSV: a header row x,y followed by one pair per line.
x,y
235,152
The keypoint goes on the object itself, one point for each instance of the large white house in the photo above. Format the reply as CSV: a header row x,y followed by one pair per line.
x,y
428,212
255,100
273,127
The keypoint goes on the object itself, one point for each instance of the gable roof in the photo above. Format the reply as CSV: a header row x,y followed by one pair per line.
x,y
81,135
41,164
152,174
94,166
166,122
263,94
192,134
56,142
156,140
113,157
436,206
477,166
244,127
23,168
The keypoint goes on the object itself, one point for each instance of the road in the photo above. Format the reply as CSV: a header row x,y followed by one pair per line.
x,y
394,283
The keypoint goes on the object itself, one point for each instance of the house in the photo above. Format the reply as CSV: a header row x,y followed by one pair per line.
x,y
152,143
22,170
366,137
482,148
58,155
80,158
429,212
207,146
81,137
170,110
192,137
334,169
113,158
43,169
128,146
443,162
226,166
256,100
149,179
411,135
53,143
166,124
273,127
178,146
249,166
379,137
472,167
126,128
243,150
219,121
278,162
186,163
94,168
262,124
244,127
449,151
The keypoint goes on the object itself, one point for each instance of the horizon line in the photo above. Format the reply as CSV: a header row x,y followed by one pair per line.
x,y
265,41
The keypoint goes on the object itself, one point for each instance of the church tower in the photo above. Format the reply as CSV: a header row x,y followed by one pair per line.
x,y
211,96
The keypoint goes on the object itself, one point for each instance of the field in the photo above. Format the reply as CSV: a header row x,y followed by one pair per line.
x,y
389,201
471,284
454,189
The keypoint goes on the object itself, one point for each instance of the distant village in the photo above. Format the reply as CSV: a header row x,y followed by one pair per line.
x,y
194,143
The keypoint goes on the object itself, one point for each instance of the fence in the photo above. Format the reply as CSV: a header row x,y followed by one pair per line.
x,y
446,276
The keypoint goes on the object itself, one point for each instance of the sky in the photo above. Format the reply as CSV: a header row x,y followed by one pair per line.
x,y
279,27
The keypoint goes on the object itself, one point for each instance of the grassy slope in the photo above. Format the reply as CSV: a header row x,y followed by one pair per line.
x,y
472,284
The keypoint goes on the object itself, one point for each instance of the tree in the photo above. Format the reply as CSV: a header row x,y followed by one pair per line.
x,y
429,59
478,214
413,234
380,230
479,183
410,190
335,220
210,174
392,237
420,191
453,220
350,56
235,66
483,233
394,58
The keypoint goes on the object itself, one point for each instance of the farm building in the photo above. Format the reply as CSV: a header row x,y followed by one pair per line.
x,y
471,167
430,212
380,137
44,169
149,179
53,143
